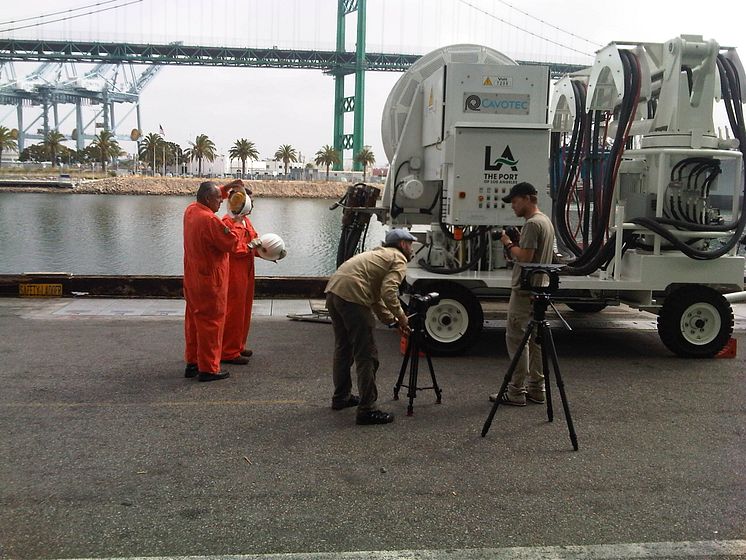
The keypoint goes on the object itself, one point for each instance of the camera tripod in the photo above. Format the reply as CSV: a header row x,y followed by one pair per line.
x,y
545,340
412,357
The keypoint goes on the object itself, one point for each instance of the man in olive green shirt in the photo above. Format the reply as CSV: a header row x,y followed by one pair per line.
x,y
535,246
365,284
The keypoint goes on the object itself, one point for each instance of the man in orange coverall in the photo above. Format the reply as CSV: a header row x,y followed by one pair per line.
x,y
240,278
207,242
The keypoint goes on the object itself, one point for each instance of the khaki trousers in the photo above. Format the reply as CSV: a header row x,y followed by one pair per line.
x,y
353,341
529,367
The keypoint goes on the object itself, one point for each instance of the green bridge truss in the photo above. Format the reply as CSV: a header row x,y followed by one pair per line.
x,y
338,63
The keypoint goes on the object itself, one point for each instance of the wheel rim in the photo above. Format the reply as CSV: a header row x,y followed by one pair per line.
x,y
700,323
447,322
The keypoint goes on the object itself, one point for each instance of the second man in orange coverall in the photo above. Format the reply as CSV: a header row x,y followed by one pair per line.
x,y
240,279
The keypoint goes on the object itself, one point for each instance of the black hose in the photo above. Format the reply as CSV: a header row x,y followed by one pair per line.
x,y
593,255
570,174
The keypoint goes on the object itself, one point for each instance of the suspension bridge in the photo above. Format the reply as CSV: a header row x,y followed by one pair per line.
x,y
123,69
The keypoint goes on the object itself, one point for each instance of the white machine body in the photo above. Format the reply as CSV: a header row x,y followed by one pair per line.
x,y
466,123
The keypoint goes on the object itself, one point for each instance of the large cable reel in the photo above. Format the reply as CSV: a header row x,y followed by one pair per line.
x,y
400,99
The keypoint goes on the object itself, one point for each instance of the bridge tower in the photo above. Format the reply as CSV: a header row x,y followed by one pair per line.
x,y
355,103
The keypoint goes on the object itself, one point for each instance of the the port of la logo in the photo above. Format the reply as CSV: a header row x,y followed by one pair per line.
x,y
506,158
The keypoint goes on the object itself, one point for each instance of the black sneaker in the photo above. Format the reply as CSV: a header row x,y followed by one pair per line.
x,y
374,417
352,400
190,370
213,376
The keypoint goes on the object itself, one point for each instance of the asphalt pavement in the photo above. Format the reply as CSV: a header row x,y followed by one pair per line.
x,y
108,451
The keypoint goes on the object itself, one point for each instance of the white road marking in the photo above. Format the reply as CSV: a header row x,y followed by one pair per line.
x,y
686,549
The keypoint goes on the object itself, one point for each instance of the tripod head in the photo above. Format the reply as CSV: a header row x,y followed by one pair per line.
x,y
543,281
417,310
420,303
540,279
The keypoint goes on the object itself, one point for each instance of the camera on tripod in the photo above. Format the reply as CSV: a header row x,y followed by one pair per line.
x,y
420,303
540,278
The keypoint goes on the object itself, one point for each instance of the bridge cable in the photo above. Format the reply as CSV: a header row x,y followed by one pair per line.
x,y
39,24
506,22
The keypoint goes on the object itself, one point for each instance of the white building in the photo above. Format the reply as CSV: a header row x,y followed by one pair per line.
x,y
215,168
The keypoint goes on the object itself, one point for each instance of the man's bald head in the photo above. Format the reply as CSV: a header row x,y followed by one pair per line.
x,y
209,195
205,189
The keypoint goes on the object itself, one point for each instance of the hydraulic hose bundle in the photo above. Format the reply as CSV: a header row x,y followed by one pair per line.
x,y
354,222
587,155
570,174
586,158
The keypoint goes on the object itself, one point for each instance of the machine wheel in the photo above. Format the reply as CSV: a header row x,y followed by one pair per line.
x,y
455,322
695,322
586,307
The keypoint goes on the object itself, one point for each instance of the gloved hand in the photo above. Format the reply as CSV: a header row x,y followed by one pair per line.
x,y
254,243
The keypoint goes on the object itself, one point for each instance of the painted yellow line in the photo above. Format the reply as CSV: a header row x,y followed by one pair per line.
x,y
151,404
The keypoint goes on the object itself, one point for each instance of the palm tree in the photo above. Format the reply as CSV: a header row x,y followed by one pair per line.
x,y
52,143
327,156
202,147
286,153
365,157
174,154
105,147
150,147
7,142
243,149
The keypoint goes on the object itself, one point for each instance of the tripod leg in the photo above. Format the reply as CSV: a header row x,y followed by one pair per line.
x,y
561,387
542,338
413,367
407,354
508,376
432,375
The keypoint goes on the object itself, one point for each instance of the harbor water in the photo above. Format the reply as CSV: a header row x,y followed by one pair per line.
x,y
142,235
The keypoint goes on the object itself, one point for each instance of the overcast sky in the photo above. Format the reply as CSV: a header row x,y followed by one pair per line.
x,y
273,107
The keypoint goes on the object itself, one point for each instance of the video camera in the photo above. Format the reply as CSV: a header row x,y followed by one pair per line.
x,y
540,278
420,303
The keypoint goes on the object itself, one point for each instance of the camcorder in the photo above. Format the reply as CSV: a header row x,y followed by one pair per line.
x,y
540,278
513,234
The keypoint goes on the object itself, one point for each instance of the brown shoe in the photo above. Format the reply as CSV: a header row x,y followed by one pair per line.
x,y
247,353
239,360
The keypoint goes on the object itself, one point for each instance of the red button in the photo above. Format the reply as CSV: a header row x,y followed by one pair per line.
x,y
462,194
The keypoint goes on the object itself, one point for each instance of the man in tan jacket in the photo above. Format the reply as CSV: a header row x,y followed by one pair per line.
x,y
367,283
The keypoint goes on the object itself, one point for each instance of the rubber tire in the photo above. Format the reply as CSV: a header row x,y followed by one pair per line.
x,y
463,296
586,307
676,305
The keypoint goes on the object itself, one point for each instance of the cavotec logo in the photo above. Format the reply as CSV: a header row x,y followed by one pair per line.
x,y
506,158
497,103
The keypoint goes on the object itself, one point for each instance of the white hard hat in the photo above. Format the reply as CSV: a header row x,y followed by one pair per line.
x,y
239,204
272,247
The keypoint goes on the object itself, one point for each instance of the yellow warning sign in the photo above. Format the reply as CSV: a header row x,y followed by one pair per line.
x,y
39,290
487,81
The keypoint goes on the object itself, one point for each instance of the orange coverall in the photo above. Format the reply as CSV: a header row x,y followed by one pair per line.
x,y
207,242
240,288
